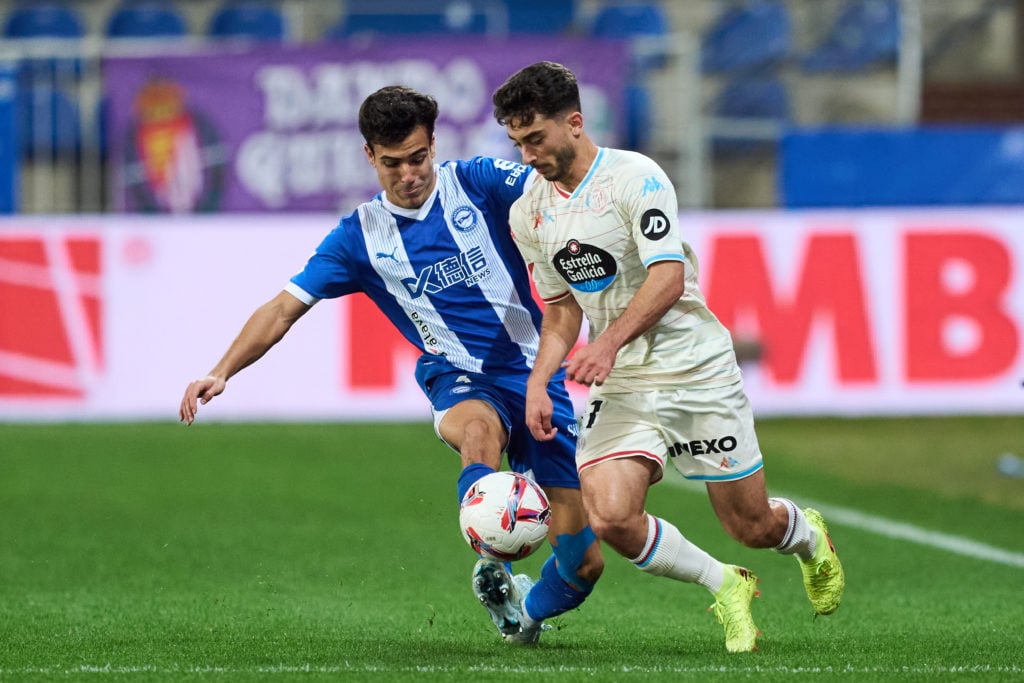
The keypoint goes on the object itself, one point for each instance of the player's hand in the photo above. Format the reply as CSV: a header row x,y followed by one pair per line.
x,y
590,364
539,411
199,391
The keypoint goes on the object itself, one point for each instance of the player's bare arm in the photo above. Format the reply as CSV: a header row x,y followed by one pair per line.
x,y
664,285
559,331
265,327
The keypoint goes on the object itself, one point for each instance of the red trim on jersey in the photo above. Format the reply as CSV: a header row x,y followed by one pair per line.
x,y
560,191
555,298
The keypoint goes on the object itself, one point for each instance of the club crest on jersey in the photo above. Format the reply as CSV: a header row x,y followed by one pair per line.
x,y
596,201
585,267
464,218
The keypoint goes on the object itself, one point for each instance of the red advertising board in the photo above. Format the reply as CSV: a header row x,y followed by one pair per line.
x,y
874,312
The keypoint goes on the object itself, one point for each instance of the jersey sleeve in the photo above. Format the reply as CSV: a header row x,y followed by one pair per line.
x,y
500,180
329,272
649,201
549,284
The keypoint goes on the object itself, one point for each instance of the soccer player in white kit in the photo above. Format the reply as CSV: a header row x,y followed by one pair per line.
x,y
434,252
600,234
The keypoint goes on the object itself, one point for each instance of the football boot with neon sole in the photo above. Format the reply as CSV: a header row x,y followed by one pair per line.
x,y
732,609
824,579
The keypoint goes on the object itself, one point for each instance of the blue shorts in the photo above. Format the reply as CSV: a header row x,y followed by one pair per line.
x,y
549,463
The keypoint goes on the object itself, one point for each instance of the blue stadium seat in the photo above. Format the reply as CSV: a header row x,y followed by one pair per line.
x,y
643,24
381,17
548,17
637,109
146,19
46,116
259,21
48,123
748,37
763,101
43,20
865,33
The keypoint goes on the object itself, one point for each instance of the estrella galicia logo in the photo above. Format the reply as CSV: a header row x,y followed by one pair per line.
x,y
464,218
654,224
585,267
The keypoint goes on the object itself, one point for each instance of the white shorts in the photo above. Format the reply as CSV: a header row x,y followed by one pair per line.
x,y
707,433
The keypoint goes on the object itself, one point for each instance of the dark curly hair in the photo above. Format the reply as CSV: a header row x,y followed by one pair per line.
x,y
544,88
389,115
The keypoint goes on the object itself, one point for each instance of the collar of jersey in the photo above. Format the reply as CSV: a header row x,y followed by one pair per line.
x,y
412,214
590,173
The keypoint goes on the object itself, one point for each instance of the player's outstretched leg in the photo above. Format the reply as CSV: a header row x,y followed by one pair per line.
x,y
732,608
498,592
824,579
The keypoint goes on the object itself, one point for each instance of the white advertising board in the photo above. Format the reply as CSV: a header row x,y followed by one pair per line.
x,y
858,313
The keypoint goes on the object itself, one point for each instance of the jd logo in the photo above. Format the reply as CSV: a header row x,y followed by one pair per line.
x,y
654,224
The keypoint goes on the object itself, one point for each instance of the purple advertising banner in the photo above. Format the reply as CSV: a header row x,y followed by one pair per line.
x,y
276,130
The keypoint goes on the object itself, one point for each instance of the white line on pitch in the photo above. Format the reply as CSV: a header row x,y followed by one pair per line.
x,y
893,529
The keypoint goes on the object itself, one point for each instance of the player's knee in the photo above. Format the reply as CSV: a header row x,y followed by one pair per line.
x,y
753,532
620,532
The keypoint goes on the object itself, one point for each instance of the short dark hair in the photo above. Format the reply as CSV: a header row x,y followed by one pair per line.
x,y
389,115
544,88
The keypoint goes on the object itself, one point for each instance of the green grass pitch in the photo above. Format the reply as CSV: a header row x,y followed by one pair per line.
x,y
332,552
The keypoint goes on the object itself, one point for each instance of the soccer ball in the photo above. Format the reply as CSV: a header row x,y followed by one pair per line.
x,y
505,516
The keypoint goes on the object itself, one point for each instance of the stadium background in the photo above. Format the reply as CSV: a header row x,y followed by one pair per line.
x,y
850,172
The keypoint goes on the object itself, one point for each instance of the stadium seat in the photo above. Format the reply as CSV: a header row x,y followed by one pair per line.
x,y
258,21
638,116
540,16
47,118
763,102
146,19
643,24
43,20
865,33
384,17
48,123
747,37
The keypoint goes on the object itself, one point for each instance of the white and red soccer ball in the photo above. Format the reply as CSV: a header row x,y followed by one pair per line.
x,y
505,516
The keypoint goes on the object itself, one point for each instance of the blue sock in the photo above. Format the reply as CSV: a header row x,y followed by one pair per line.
x,y
552,596
470,475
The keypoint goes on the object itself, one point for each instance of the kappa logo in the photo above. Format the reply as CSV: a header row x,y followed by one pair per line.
x,y
651,184
54,282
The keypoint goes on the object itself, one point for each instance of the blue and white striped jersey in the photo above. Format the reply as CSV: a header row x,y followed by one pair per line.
x,y
447,275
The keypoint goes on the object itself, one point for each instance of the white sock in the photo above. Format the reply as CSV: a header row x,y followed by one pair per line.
x,y
800,538
668,553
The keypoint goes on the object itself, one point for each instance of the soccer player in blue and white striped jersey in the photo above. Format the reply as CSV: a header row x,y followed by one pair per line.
x,y
434,252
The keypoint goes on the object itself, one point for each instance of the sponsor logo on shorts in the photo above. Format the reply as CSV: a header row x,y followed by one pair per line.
x,y
723,444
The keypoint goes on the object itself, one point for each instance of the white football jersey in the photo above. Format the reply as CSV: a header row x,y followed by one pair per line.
x,y
597,243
